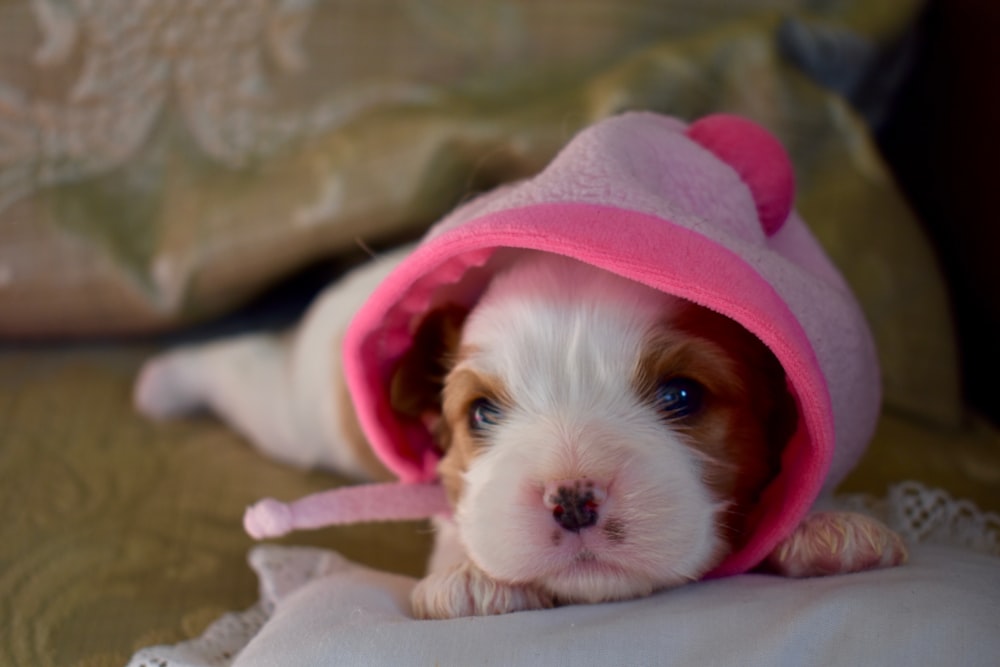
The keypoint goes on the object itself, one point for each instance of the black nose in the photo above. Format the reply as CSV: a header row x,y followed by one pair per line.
x,y
574,509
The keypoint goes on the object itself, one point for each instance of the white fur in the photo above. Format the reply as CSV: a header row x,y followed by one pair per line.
x,y
564,341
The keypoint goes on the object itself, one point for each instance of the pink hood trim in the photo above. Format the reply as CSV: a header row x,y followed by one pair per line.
x,y
701,212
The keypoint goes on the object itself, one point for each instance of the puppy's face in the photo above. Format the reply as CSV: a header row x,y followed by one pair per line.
x,y
603,440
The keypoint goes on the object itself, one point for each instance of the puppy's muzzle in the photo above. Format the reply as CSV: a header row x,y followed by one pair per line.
x,y
575,503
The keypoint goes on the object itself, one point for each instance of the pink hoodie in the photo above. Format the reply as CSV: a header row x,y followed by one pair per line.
x,y
703,212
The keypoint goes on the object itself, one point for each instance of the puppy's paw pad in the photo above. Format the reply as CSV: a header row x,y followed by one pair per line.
x,y
164,388
828,543
466,590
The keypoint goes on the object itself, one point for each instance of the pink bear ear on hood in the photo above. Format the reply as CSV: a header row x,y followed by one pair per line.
x,y
757,157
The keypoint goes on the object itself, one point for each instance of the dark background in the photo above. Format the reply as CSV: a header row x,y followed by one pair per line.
x,y
942,139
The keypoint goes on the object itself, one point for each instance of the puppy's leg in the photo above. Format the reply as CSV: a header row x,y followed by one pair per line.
x,y
455,587
286,393
828,543
465,590
246,381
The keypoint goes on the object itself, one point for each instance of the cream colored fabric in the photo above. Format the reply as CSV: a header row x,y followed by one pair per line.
x,y
120,534
162,162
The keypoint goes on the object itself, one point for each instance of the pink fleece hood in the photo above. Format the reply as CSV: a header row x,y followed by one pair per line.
x,y
700,211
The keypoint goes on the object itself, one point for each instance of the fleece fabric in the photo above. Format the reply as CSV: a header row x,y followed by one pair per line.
x,y
701,211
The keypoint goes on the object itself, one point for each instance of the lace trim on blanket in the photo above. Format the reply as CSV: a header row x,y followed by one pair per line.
x,y
217,647
920,514
930,516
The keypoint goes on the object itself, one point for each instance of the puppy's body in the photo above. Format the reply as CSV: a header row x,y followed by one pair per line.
x,y
601,440
285,393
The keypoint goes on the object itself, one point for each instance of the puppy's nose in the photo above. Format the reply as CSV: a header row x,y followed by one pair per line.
x,y
574,502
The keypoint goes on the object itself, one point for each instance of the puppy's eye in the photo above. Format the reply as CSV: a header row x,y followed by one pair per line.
x,y
679,397
484,413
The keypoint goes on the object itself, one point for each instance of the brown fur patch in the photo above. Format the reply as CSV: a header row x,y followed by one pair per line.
x,y
614,530
462,388
747,415
415,388
416,384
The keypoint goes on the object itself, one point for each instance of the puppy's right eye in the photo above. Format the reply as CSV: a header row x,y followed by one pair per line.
x,y
679,397
484,413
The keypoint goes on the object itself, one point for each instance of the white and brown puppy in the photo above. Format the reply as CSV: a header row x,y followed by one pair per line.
x,y
601,439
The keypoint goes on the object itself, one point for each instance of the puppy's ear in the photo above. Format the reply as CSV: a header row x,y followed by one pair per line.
x,y
762,412
415,390
779,404
772,402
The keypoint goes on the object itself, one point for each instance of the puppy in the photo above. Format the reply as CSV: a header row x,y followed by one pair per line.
x,y
600,439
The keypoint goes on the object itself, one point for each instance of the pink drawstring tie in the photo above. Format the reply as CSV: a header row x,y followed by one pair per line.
x,y
391,501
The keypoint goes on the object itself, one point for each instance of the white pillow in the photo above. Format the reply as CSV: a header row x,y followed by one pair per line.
x,y
942,608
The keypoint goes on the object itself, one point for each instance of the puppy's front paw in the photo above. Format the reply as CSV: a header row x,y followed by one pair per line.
x,y
465,590
166,387
835,543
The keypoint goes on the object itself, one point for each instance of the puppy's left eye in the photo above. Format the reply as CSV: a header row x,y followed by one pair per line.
x,y
484,413
679,397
